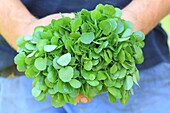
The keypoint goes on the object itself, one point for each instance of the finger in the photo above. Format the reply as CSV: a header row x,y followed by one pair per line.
x,y
78,98
81,98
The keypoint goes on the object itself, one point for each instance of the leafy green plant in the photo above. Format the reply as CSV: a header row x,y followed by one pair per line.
x,y
92,53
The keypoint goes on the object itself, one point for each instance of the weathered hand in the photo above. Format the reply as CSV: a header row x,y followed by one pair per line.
x,y
28,30
28,27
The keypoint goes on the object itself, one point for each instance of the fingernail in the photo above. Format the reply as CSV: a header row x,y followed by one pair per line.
x,y
84,100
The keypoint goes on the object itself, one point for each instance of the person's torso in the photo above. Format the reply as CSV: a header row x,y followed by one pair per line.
x,y
155,51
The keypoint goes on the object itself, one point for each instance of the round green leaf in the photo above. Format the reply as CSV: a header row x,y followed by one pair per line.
x,y
36,92
101,75
87,38
20,41
93,83
139,35
66,74
95,15
127,33
88,65
64,60
75,83
40,64
49,48
20,58
52,76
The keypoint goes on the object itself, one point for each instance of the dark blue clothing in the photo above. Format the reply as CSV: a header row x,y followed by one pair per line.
x,y
155,51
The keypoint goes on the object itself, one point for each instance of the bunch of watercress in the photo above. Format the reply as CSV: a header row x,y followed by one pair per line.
x,y
92,53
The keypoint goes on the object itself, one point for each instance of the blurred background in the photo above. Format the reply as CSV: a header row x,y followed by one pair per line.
x,y
166,25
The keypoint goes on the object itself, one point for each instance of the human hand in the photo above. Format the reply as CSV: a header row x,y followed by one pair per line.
x,y
130,16
81,99
27,26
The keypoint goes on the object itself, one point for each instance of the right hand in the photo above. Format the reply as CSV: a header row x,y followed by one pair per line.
x,y
28,28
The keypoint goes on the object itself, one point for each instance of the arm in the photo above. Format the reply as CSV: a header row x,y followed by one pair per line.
x,y
16,20
14,16
146,14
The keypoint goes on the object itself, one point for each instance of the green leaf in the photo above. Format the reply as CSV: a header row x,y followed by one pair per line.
x,y
75,83
121,56
74,93
31,72
128,25
40,64
100,7
52,76
127,33
60,86
54,40
39,29
84,27
41,97
139,36
112,99
87,38
58,100
113,69
88,65
21,68
118,12
67,88
55,64
51,91
31,54
128,83
20,58
138,54
64,60
41,43
75,24
125,97
36,92
49,48
107,26
20,42
109,10
135,79
115,92
93,83
101,75
123,39
95,15
92,76
30,46
66,74
48,83
120,27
